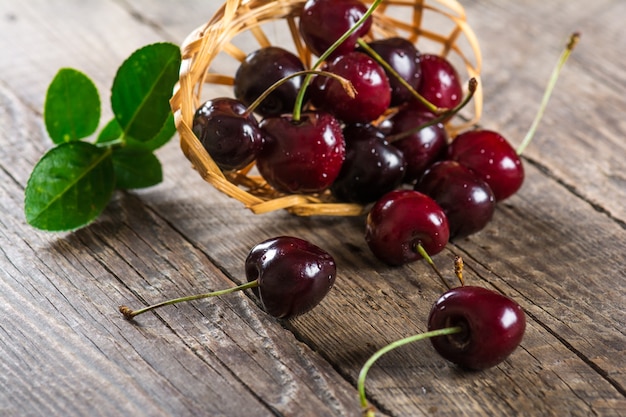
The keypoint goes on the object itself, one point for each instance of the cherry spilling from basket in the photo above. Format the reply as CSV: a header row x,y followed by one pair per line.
x,y
371,116
372,124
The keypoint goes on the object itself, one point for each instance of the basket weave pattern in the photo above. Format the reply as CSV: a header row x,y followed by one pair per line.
x,y
203,47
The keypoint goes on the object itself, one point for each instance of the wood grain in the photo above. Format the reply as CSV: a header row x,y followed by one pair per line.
x,y
558,248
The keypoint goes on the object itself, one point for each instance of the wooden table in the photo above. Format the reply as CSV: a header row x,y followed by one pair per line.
x,y
558,248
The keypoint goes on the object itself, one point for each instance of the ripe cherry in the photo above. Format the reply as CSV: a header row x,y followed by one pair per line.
x,y
421,148
293,275
404,58
400,221
289,275
370,82
303,156
259,71
322,22
492,326
440,84
230,135
473,327
372,167
466,199
491,158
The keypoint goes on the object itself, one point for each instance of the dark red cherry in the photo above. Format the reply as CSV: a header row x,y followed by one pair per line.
x,y
293,275
493,326
372,167
229,134
259,71
467,200
368,78
290,276
492,158
440,84
302,156
402,219
322,22
404,58
422,148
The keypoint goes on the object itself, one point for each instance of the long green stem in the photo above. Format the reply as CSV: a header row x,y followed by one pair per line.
x,y
420,249
129,313
297,110
394,345
472,85
573,40
347,86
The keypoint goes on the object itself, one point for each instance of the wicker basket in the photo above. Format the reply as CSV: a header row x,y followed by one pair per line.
x,y
435,26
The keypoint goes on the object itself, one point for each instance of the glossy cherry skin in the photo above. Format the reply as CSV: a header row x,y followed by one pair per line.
x,y
402,219
259,71
493,326
303,156
229,134
404,58
441,84
467,200
422,148
322,22
293,275
372,167
492,158
373,93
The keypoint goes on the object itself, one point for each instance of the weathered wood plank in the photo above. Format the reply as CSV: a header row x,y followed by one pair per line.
x,y
557,248
373,304
63,339
66,349
581,139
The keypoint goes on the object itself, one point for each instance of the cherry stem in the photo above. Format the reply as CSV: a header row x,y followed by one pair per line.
x,y
573,41
129,314
458,269
420,249
297,110
367,411
370,51
346,84
471,87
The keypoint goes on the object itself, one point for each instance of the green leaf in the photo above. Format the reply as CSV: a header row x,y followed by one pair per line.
x,y
69,186
111,132
136,168
165,134
72,107
142,88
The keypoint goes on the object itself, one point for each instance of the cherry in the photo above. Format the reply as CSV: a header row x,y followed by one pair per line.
x,y
259,71
492,159
402,220
404,58
289,275
322,22
293,275
492,326
466,199
303,156
372,167
440,84
473,327
368,78
228,132
421,148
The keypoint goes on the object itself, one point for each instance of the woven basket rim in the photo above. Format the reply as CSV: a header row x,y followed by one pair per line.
x,y
205,44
